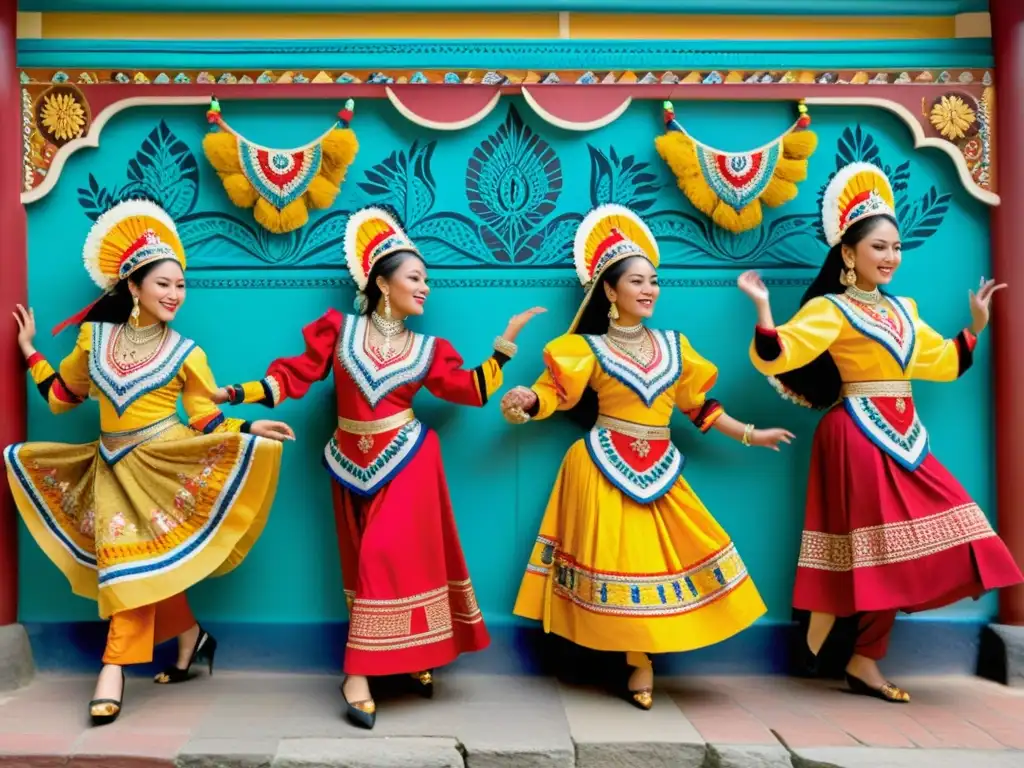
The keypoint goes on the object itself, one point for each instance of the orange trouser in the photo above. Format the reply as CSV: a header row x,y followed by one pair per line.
x,y
133,633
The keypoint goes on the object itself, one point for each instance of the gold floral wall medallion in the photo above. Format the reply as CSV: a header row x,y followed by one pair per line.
x,y
62,114
954,116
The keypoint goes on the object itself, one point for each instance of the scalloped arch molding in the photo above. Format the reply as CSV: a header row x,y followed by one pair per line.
x,y
92,139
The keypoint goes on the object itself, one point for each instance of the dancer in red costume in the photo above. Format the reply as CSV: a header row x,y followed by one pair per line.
x,y
411,603
887,527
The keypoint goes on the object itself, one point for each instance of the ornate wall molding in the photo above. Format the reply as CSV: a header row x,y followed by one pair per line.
x,y
507,54
247,283
971,149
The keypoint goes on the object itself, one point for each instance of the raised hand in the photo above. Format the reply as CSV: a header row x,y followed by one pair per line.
x,y
750,283
518,322
981,304
26,320
274,430
771,438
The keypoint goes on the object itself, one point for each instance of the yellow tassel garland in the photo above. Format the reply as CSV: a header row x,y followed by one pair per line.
x,y
688,159
281,185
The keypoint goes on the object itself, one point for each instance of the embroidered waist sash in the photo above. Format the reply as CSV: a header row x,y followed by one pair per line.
x,y
639,460
114,446
364,455
884,411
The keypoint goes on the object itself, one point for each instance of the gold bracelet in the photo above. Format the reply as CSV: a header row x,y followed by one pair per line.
x,y
505,347
515,415
747,434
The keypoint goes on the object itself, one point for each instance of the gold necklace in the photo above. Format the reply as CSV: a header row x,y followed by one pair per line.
x,y
388,330
637,346
134,346
874,296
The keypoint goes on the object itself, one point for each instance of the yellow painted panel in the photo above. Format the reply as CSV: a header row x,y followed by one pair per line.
x,y
706,27
298,26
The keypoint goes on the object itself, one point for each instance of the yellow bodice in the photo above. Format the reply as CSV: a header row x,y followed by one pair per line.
x,y
678,378
132,398
884,342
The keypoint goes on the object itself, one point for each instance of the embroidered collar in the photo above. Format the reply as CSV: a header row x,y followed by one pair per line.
x,y
893,330
374,380
648,383
123,387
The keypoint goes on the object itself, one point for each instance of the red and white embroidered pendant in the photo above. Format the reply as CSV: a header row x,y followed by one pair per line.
x,y
280,176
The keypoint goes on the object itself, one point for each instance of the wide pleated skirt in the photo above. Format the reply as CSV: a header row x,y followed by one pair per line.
x,y
879,537
172,511
411,603
612,574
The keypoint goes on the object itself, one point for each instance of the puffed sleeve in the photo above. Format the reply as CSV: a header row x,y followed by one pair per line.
x,y
197,398
938,358
68,387
449,380
699,376
569,363
793,345
291,377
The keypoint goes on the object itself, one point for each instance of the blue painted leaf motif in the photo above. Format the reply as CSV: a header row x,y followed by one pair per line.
x,y
453,240
94,199
927,217
165,170
322,241
404,181
205,234
621,180
790,242
684,239
552,245
857,145
513,180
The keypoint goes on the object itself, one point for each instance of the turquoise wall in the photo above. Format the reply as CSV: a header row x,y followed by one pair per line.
x,y
250,293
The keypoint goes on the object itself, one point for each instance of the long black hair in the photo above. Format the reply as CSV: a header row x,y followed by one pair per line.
x,y
116,305
594,322
385,268
818,383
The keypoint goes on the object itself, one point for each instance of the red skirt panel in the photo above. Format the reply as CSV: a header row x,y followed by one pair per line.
x,y
878,537
411,603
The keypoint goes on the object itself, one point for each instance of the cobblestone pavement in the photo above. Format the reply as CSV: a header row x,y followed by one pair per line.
x,y
287,721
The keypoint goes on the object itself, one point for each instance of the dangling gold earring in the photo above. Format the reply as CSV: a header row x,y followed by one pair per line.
x,y
135,311
851,277
387,307
613,312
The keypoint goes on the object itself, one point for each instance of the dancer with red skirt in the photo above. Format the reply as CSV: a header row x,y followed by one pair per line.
x,y
411,604
887,527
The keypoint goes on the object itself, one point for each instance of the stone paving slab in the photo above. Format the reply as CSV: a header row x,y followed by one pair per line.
x,y
475,721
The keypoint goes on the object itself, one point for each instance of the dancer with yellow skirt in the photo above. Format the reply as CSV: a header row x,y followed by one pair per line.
x,y
154,506
628,558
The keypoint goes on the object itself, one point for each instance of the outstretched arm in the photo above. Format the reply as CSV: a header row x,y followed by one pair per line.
x,y
291,377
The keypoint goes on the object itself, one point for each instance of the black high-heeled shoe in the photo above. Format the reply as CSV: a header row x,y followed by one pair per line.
x,y
362,714
423,683
204,649
105,711
888,692
641,698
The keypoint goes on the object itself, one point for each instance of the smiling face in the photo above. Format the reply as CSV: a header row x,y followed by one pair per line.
x,y
406,287
877,255
635,292
161,292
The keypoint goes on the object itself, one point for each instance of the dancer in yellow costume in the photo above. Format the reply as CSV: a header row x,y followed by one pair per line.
x,y
628,558
154,506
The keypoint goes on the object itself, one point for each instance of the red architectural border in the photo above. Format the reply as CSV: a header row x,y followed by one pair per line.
x,y
1008,266
13,287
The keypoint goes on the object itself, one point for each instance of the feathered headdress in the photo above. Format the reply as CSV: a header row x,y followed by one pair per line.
x,y
370,235
609,234
128,236
857,191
